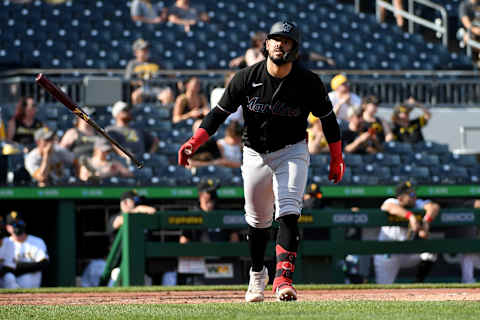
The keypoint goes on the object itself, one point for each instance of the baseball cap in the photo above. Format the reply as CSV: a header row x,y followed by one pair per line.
x,y
43,134
118,107
337,81
103,144
13,217
404,188
140,44
286,29
314,190
132,194
208,185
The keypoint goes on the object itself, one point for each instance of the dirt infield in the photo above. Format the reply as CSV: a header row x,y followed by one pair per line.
x,y
192,297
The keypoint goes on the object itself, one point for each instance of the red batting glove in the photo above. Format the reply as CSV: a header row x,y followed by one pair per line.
x,y
188,148
337,166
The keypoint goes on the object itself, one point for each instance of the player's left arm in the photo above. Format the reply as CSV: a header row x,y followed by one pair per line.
x,y
331,130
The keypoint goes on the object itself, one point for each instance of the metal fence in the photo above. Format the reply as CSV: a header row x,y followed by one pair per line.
x,y
439,89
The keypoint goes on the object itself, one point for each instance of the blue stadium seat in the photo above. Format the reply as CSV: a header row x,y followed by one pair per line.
x,y
353,160
398,147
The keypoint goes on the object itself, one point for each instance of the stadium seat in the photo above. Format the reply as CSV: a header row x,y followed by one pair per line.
x,y
353,160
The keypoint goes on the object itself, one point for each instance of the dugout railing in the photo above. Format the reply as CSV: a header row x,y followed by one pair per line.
x,y
131,250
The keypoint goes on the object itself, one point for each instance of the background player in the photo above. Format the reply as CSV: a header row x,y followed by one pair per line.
x,y
277,96
7,264
387,266
30,253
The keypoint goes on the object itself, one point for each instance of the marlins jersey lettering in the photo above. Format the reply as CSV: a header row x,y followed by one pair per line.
x,y
275,110
397,233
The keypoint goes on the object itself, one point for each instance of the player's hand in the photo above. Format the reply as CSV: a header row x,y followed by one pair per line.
x,y
188,148
337,168
184,154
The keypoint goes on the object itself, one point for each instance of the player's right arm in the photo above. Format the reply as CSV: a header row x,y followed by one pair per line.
x,y
396,210
228,104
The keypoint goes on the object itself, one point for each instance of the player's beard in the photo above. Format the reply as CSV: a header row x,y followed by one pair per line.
x,y
278,61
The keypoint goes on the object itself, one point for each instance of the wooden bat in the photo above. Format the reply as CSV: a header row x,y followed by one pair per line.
x,y
67,102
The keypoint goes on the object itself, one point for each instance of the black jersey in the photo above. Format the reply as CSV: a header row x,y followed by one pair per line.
x,y
275,111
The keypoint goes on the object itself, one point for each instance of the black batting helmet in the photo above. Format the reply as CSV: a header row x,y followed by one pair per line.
x,y
290,30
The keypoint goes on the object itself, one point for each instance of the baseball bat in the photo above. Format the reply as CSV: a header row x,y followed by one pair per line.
x,y
67,102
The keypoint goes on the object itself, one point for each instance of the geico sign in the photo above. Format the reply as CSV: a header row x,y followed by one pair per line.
x,y
347,218
458,217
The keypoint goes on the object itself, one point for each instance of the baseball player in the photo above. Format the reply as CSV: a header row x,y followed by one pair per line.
x,y
30,253
7,264
387,266
277,95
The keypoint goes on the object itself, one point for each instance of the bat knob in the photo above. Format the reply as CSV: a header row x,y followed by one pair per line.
x,y
39,76
139,164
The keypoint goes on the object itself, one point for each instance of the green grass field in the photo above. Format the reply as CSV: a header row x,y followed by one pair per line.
x,y
388,310
271,311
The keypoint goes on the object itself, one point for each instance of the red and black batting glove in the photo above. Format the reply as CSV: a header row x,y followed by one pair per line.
x,y
337,166
188,148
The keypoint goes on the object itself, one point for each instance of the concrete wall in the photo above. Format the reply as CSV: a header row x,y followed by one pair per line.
x,y
444,127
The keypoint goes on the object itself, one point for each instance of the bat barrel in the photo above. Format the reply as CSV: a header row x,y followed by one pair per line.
x,y
67,102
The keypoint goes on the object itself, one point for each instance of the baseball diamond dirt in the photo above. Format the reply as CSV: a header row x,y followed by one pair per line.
x,y
238,296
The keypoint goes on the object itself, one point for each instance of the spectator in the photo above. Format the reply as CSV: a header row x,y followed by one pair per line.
x,y
99,166
354,139
31,254
130,202
182,13
230,148
207,201
470,261
372,122
7,262
137,140
22,126
141,71
387,266
48,161
146,12
406,130
341,97
398,4
217,94
317,143
470,19
192,104
314,56
81,138
3,133
313,200
253,54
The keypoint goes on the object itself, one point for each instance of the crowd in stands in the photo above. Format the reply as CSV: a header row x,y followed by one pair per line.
x,y
362,130
152,129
